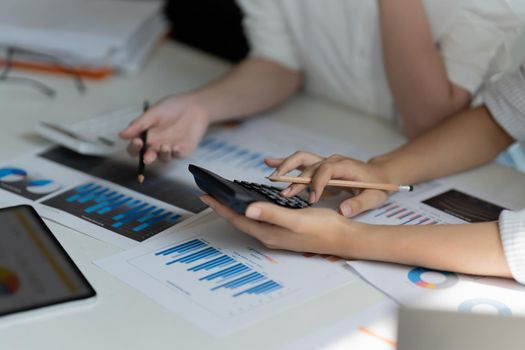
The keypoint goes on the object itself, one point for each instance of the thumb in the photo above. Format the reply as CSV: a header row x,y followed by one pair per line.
x,y
274,214
366,200
145,121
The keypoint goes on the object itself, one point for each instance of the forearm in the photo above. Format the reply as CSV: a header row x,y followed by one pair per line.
x,y
415,69
465,141
469,248
251,87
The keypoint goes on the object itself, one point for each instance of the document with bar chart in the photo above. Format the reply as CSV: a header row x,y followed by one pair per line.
x,y
102,198
432,203
221,279
102,209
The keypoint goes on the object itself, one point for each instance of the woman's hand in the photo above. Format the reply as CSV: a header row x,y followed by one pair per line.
x,y
472,249
175,126
322,170
321,231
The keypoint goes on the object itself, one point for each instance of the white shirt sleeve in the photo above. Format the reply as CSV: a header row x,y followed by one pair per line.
x,y
268,32
505,99
512,231
479,40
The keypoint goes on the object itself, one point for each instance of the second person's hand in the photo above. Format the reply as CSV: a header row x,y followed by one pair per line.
x,y
175,127
321,170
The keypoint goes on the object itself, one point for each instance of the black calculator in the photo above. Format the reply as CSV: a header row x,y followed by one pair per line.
x,y
237,195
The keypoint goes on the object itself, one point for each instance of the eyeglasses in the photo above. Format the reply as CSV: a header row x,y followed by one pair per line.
x,y
9,64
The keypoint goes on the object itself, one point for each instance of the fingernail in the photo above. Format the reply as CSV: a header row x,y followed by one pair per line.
x,y
253,212
286,191
346,211
312,197
204,200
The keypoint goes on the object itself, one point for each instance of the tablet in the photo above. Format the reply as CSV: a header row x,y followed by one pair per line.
x,y
35,271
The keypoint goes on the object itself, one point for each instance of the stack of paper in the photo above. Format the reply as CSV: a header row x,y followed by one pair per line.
x,y
90,34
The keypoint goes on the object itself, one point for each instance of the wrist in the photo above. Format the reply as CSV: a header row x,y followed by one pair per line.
x,y
382,165
199,108
373,242
353,240
390,168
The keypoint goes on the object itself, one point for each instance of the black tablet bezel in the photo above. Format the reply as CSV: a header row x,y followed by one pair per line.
x,y
91,293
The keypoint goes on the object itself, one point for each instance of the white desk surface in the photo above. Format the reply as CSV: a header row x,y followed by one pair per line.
x,y
123,318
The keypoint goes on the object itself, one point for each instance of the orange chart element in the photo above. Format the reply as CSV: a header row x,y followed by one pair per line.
x,y
330,258
9,282
377,336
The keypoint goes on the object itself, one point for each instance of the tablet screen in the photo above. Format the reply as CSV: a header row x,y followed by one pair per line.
x,y
35,271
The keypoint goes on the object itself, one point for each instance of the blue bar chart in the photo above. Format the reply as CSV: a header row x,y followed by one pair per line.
x,y
221,278
214,149
216,271
116,211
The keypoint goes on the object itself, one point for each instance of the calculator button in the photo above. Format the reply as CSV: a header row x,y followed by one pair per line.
x,y
273,194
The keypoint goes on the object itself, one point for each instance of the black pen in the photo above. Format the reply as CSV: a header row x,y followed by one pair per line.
x,y
144,138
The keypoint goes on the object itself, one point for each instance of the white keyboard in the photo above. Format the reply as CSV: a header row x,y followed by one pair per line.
x,y
95,136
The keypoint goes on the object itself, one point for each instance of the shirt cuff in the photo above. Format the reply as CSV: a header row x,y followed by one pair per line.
x,y
512,232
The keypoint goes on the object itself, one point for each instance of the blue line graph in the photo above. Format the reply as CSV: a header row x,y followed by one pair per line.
x,y
115,211
218,271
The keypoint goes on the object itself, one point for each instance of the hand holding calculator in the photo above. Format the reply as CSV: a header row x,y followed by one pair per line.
x,y
238,195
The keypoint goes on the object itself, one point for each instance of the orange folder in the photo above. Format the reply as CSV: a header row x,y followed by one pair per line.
x,y
86,72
